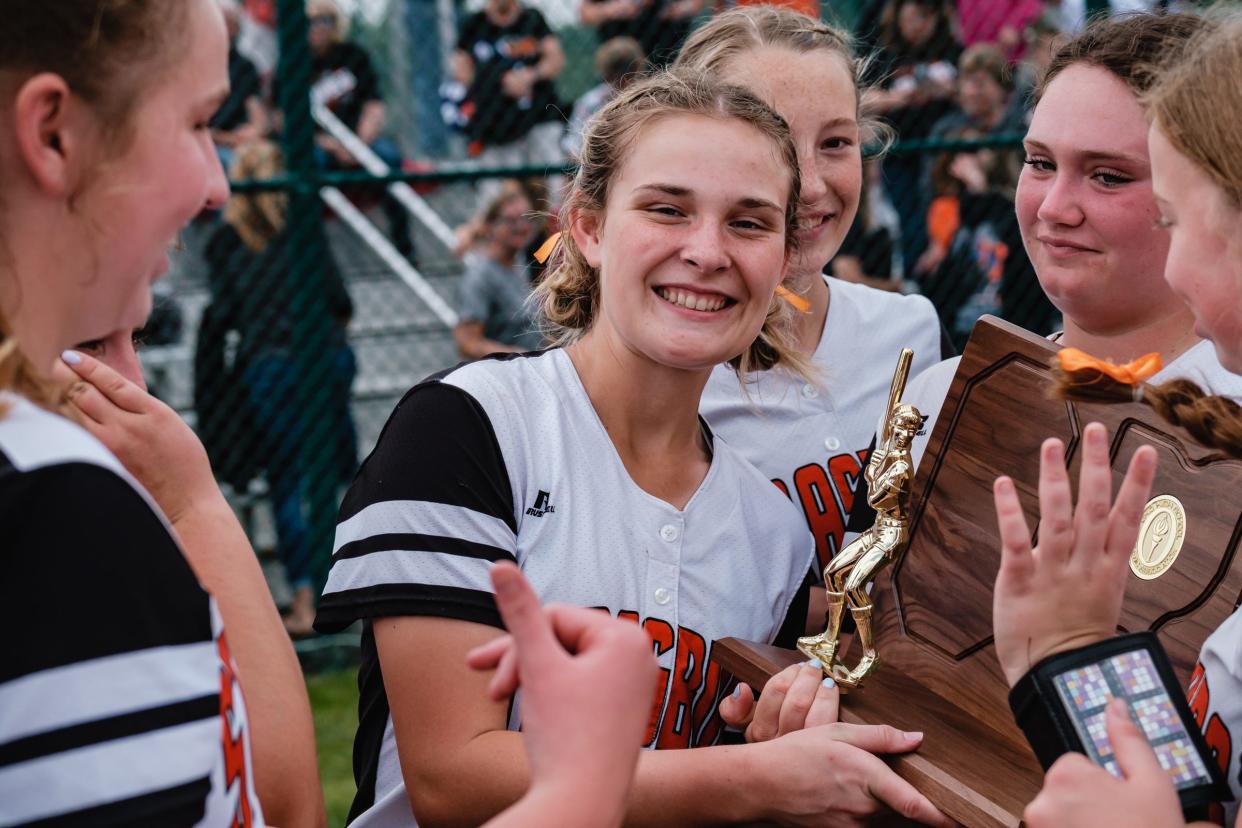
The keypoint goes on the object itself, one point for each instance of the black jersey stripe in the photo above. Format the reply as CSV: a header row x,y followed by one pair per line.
x,y
181,805
105,730
415,542
337,610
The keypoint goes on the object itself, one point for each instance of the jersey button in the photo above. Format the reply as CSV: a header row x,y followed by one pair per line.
x,y
810,391
668,532
832,444
662,596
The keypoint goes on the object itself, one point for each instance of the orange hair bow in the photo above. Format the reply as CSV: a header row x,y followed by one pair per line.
x,y
1132,373
545,250
800,302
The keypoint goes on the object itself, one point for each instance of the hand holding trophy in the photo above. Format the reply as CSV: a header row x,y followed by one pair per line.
x,y
890,476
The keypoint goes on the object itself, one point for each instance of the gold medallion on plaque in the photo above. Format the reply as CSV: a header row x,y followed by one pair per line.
x,y
1160,537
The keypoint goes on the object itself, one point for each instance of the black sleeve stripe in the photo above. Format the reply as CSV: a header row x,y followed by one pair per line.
x,y
182,805
947,349
105,580
104,730
438,447
337,610
413,542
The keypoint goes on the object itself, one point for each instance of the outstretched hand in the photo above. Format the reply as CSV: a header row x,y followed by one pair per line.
x,y
587,684
1078,792
1066,592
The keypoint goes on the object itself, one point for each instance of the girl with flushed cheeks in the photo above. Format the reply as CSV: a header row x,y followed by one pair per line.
x,y
1085,208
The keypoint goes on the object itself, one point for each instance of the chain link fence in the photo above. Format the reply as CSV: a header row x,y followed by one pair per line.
x,y
386,156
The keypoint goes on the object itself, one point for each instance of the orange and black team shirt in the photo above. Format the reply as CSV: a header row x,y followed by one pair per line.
x,y
506,459
1215,696
119,701
812,439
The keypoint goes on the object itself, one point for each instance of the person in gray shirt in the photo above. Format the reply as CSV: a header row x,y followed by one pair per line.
x,y
492,295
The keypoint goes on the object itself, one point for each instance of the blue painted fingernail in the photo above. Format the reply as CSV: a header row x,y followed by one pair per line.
x,y
71,357
815,663
737,692
828,683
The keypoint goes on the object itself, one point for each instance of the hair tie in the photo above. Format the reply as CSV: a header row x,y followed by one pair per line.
x,y
545,250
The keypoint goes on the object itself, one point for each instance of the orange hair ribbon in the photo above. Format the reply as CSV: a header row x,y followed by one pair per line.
x,y
545,250
799,302
1132,373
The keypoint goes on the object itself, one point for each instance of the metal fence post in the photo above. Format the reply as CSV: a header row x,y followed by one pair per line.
x,y
422,23
307,278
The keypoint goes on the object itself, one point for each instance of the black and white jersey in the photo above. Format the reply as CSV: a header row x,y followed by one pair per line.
x,y
506,459
119,703
812,439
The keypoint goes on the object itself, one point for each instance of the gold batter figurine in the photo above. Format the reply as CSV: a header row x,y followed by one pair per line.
x,y
889,476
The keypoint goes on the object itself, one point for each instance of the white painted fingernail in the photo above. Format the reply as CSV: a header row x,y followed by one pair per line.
x,y
815,663
71,357
737,692
828,683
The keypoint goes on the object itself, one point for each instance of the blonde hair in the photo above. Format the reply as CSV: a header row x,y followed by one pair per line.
x,y
318,7
1196,103
569,296
257,217
727,36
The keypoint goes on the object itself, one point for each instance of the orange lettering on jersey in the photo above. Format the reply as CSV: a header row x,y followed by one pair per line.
x,y
826,494
686,681
706,714
663,640
780,484
233,738
1198,695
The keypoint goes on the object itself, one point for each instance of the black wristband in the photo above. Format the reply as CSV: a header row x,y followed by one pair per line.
x,y
1059,705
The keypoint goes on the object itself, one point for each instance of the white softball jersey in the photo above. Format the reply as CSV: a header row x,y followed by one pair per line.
x,y
812,439
119,701
506,459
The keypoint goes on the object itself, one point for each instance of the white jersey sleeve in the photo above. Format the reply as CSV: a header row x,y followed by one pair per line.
x,y
118,701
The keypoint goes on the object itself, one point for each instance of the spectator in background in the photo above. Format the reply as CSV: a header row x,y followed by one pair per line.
x,y
659,26
917,66
344,80
1001,22
492,305
507,59
242,117
618,61
976,263
1043,38
246,395
984,93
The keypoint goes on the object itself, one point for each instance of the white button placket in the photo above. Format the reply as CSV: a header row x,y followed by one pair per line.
x,y
664,569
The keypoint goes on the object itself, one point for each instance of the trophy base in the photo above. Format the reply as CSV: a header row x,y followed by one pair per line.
x,y
976,773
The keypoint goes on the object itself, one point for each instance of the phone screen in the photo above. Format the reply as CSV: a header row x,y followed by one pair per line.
x,y
1085,692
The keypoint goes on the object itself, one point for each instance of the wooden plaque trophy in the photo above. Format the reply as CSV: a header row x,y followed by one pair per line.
x,y
932,610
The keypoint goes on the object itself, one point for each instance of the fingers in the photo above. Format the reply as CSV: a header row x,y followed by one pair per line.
x,y
1127,512
524,617
507,678
876,738
1017,561
1056,509
115,388
1134,756
898,794
487,656
827,706
1095,488
800,697
739,708
764,724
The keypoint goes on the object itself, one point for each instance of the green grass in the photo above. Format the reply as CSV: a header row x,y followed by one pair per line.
x,y
334,702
